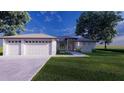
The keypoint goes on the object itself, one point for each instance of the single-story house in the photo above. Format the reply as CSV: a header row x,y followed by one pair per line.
x,y
74,43
29,44
44,45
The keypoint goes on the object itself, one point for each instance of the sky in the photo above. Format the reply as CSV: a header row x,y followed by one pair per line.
x,y
52,23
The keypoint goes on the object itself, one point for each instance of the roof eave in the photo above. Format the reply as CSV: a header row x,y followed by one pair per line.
x,y
24,38
84,41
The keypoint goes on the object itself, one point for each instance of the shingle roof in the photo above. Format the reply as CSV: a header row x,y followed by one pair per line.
x,y
82,39
68,37
30,36
77,38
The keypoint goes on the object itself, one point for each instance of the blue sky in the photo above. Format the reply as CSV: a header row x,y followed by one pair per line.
x,y
53,23
57,23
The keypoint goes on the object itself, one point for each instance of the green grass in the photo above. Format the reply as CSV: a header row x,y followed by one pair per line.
x,y
101,65
110,47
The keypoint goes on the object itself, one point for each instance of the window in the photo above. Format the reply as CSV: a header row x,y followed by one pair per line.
x,y
29,41
39,41
19,41
42,41
33,41
26,41
9,41
12,41
36,41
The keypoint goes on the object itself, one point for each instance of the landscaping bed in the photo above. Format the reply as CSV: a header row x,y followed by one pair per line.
x,y
63,52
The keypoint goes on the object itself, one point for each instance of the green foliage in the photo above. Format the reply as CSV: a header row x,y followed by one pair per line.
x,y
1,51
99,26
78,49
63,52
12,23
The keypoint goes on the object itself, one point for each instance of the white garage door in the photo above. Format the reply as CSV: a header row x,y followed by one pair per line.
x,y
37,48
14,48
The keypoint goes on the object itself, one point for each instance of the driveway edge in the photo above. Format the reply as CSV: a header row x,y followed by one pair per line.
x,y
38,69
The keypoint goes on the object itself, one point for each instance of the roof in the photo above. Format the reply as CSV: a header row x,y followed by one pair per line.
x,y
68,37
82,39
76,38
29,36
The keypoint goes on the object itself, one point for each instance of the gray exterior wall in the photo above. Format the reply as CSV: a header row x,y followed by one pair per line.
x,y
85,47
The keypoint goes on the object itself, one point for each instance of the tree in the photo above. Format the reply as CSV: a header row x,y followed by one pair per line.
x,y
99,26
11,23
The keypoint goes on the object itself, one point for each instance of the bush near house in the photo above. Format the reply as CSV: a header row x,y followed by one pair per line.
x,y
1,50
78,50
63,52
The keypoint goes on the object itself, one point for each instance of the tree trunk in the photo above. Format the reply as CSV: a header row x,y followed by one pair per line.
x,y
105,47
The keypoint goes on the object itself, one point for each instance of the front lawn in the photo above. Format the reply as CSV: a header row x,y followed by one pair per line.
x,y
101,65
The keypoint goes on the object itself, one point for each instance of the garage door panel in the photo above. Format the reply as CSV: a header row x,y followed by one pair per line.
x,y
37,49
14,49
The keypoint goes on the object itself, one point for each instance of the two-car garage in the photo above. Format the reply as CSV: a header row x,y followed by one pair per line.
x,y
29,45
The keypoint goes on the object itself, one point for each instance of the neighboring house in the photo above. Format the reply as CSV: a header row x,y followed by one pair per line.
x,y
29,44
72,43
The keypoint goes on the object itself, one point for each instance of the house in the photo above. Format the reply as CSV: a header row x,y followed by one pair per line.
x,y
73,43
29,44
44,45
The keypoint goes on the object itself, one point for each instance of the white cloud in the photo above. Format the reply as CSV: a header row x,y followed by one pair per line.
x,y
118,40
28,30
67,31
43,27
53,15
53,12
59,18
121,22
120,27
43,12
122,14
35,30
48,19
49,12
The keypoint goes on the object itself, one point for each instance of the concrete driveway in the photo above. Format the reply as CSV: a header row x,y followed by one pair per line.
x,y
20,68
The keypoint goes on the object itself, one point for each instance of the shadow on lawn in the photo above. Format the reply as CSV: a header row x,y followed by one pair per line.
x,y
113,50
107,52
